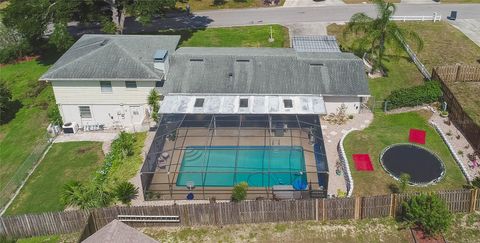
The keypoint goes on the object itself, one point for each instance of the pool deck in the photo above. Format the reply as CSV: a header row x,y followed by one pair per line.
x,y
166,178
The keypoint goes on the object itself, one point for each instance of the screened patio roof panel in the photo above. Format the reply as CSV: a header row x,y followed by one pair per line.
x,y
230,104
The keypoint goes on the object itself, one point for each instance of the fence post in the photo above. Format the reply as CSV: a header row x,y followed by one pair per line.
x,y
323,209
473,200
358,209
393,205
316,209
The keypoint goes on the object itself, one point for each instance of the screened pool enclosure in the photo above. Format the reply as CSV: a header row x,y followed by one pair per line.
x,y
202,156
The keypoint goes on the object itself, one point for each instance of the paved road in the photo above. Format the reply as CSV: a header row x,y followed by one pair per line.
x,y
329,13
282,15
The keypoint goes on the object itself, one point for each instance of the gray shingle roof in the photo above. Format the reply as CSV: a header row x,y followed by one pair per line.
x,y
265,71
319,43
110,57
118,232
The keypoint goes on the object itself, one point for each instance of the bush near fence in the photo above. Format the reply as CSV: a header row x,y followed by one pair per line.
x,y
459,73
418,95
88,222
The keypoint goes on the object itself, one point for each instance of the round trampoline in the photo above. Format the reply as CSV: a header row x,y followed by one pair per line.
x,y
423,166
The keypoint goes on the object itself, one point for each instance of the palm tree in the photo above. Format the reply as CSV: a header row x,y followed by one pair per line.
x,y
381,31
126,192
85,196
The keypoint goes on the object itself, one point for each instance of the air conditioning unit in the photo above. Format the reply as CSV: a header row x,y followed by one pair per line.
x,y
70,127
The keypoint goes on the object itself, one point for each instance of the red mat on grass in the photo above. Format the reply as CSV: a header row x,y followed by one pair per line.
x,y
417,136
362,162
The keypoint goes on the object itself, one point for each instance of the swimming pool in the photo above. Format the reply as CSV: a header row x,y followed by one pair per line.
x,y
225,166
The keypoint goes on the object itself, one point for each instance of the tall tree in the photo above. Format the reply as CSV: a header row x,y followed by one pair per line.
x,y
381,31
32,17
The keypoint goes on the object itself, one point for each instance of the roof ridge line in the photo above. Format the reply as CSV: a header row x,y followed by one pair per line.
x,y
136,60
76,59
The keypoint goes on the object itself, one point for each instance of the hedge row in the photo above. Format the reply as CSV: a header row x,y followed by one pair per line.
x,y
418,95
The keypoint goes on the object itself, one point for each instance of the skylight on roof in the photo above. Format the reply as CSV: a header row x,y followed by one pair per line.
x,y
243,102
287,103
199,102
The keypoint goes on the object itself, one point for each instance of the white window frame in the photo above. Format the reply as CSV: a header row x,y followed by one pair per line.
x,y
89,112
106,88
131,82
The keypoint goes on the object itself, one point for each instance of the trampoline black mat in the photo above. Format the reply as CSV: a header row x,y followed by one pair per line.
x,y
423,166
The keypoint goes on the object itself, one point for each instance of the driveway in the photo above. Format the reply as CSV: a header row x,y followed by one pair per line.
x,y
470,27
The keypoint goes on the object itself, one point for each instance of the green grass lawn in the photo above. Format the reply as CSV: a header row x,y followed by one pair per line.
x,y
386,130
64,162
19,136
438,41
245,36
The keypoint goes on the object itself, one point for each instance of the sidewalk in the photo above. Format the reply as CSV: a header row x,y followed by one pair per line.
x,y
470,27
312,3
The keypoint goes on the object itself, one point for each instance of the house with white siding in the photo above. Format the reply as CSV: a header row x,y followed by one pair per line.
x,y
105,80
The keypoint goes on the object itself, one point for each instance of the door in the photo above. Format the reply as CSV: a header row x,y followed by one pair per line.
x,y
136,113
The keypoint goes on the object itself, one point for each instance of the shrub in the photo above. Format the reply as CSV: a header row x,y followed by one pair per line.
x,y
125,192
153,101
239,192
123,146
218,2
54,115
408,97
404,180
5,99
85,196
476,182
428,212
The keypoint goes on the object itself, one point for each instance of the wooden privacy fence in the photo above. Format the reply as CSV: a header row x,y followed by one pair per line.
x,y
88,222
459,73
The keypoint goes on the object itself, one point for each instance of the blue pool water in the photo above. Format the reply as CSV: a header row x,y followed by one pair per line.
x,y
225,166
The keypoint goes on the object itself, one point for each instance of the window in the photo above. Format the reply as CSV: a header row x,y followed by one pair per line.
x,y
243,102
130,84
287,103
159,84
106,86
85,112
199,102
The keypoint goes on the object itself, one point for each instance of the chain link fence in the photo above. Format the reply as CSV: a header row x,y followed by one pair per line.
x,y
8,190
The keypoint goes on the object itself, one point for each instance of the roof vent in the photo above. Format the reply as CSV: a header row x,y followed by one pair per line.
x,y
196,60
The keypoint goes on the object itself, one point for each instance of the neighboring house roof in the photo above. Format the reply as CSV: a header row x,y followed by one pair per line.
x,y
318,43
118,232
264,71
112,57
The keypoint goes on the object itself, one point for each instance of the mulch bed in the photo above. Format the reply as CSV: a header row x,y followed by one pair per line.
x,y
20,60
419,236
